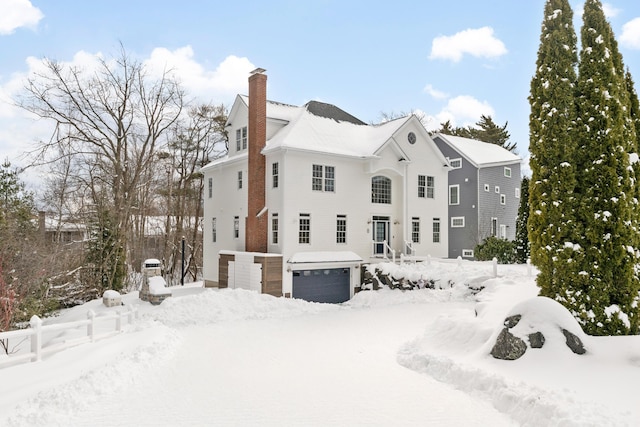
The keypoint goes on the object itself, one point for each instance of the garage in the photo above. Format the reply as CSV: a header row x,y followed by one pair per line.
x,y
330,285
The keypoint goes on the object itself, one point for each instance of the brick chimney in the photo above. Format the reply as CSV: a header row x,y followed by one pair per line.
x,y
256,225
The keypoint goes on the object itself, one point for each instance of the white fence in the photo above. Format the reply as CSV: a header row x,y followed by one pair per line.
x,y
37,331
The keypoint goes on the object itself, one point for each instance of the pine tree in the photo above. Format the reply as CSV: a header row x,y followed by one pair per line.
x,y
553,230
605,301
523,249
487,130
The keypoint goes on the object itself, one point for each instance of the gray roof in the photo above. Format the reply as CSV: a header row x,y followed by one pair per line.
x,y
330,111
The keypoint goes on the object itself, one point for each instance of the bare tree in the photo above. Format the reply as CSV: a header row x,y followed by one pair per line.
x,y
111,121
195,142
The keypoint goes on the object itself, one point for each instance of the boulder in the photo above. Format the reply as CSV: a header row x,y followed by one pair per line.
x,y
534,322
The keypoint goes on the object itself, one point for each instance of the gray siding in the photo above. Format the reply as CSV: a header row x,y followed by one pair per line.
x,y
467,178
490,205
478,206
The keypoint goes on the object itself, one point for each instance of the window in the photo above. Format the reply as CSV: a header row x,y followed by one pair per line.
x,y
274,228
497,189
381,190
274,174
341,229
415,230
431,188
457,222
467,253
323,178
456,163
329,178
214,230
494,226
486,188
454,194
241,139
507,172
210,187
517,192
304,230
244,138
503,199
236,227
426,186
422,184
503,231
436,230
239,180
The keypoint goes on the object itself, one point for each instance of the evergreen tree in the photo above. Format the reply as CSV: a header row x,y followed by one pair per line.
x,y
553,231
488,131
522,239
606,300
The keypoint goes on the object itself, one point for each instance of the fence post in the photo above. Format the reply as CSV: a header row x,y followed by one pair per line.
x,y
459,261
529,267
495,267
90,327
118,321
36,339
130,315
429,259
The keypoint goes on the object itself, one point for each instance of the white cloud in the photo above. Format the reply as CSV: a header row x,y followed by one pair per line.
x,y
435,93
480,43
463,111
18,13
609,10
228,79
631,34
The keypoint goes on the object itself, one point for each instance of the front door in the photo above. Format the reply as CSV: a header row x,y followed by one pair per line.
x,y
381,225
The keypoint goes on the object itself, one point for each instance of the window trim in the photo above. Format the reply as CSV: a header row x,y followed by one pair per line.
x,y
435,223
431,189
323,178
457,187
422,186
239,180
304,234
214,230
503,199
341,229
383,189
274,228
507,172
467,253
236,227
457,218
275,174
210,189
457,161
496,189
415,230
517,195
487,188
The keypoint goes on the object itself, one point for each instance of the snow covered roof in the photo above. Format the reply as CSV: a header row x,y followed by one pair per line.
x,y
324,256
333,132
480,154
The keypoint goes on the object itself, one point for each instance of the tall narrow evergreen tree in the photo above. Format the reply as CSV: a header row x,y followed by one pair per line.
x,y
553,230
523,249
605,300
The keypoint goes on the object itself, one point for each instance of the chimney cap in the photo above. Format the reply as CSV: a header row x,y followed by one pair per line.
x,y
258,71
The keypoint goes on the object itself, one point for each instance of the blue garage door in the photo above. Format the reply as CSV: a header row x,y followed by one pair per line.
x,y
326,285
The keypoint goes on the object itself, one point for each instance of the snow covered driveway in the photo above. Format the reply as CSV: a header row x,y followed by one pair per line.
x,y
330,365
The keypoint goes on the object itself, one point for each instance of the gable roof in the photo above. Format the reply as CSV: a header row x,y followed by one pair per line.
x,y
340,133
480,154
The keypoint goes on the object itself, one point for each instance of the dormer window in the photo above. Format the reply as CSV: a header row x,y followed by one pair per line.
x,y
241,139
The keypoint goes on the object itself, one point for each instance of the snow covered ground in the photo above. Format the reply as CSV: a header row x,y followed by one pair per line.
x,y
387,358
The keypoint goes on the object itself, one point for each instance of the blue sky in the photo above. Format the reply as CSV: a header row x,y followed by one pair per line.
x,y
449,60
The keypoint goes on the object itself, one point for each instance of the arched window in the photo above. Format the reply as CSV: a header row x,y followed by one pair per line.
x,y
381,190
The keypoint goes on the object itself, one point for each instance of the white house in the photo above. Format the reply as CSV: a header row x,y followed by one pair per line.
x,y
313,192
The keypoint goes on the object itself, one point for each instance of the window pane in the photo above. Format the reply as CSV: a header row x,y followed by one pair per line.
x,y
430,187
329,178
381,190
316,183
